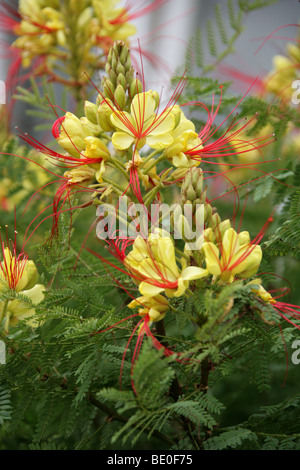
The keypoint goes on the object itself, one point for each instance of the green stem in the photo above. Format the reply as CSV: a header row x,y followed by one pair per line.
x,y
114,415
3,313
115,164
153,164
182,254
151,195
116,187
151,156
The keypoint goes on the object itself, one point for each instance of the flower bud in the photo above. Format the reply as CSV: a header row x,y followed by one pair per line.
x,y
90,110
103,116
108,88
192,186
176,111
221,229
155,96
215,221
72,135
120,96
121,80
135,87
89,128
207,213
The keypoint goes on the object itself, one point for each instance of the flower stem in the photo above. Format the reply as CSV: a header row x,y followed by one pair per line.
x,y
152,154
154,163
3,313
151,195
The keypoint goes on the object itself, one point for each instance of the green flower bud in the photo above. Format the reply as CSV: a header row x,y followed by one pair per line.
x,y
90,110
103,116
176,111
135,88
120,69
215,221
207,213
124,54
120,96
108,88
121,80
155,96
192,186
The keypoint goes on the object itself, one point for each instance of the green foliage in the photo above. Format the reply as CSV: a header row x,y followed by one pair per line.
x,y
40,98
220,35
5,404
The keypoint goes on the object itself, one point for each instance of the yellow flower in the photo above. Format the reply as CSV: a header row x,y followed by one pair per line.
x,y
38,29
185,139
96,150
143,126
285,71
80,174
153,264
73,133
18,310
261,292
112,22
19,274
156,307
237,256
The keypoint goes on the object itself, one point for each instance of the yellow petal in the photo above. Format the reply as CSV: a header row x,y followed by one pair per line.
x,y
159,142
123,121
181,288
142,108
250,265
193,272
100,172
149,289
230,245
212,258
166,253
152,269
122,141
162,124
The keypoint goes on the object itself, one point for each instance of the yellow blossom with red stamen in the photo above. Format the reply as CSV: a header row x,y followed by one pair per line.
x,y
185,139
44,31
73,132
16,272
19,274
236,255
143,125
110,23
285,71
155,307
259,290
153,264
79,175
40,30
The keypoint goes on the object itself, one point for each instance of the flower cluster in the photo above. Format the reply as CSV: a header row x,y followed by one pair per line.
x,y
18,275
128,143
48,31
285,71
